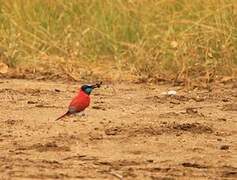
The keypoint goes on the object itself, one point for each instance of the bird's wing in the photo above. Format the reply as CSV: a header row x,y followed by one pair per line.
x,y
78,104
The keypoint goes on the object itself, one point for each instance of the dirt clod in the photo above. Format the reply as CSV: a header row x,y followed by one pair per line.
x,y
224,147
193,165
193,127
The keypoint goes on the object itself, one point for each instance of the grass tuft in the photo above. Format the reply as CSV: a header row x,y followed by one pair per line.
x,y
182,40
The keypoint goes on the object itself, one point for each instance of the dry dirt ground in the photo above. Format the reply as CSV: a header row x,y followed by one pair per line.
x,y
130,131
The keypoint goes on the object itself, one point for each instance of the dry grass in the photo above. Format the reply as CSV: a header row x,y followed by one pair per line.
x,y
180,40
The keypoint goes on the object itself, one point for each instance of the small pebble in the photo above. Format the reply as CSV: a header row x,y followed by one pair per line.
x,y
225,147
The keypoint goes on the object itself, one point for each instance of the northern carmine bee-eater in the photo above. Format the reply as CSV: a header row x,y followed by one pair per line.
x,y
80,102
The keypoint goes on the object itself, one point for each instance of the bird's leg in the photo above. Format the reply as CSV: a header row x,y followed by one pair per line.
x,y
79,116
83,114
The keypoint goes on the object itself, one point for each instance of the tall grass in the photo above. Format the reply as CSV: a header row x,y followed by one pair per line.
x,y
178,39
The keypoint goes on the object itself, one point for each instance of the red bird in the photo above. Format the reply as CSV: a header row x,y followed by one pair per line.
x,y
81,101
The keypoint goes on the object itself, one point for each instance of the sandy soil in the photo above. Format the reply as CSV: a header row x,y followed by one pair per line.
x,y
129,132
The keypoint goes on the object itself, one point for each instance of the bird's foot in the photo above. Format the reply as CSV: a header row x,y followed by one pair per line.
x,y
83,114
80,117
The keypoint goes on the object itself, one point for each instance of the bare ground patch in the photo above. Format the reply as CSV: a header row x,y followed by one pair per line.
x,y
130,131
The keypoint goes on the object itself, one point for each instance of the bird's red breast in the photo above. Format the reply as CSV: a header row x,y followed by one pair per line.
x,y
80,102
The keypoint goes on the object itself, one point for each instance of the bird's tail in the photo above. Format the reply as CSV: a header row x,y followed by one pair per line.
x,y
65,114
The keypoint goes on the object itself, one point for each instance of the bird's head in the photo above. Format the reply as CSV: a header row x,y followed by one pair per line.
x,y
88,88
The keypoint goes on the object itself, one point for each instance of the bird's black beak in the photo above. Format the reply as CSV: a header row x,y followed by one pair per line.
x,y
97,85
